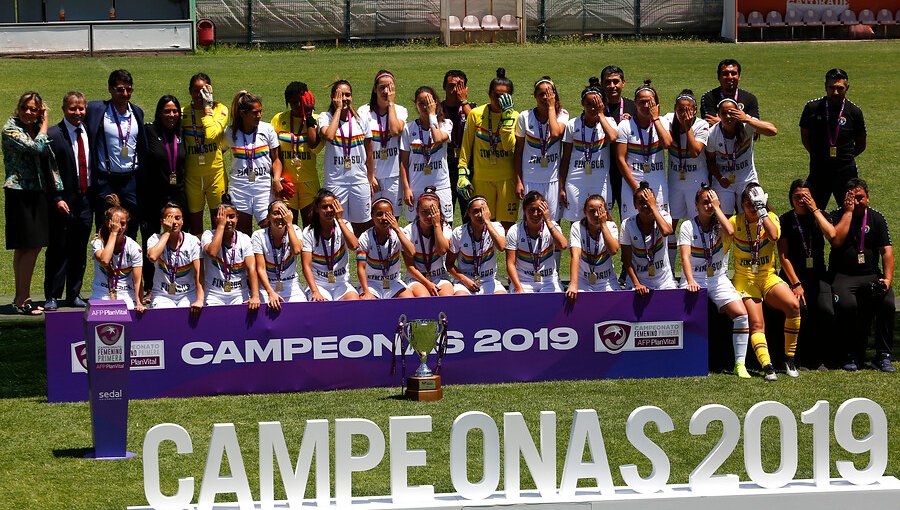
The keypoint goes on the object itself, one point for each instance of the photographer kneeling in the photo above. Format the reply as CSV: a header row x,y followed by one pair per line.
x,y
860,288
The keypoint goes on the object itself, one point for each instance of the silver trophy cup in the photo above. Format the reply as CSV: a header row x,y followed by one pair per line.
x,y
423,335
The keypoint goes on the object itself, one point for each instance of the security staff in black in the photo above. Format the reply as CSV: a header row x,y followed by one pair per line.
x,y
862,289
833,132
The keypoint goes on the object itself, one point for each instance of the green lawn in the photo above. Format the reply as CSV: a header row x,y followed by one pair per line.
x,y
41,444
783,76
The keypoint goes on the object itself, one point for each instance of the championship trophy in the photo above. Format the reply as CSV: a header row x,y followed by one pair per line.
x,y
422,335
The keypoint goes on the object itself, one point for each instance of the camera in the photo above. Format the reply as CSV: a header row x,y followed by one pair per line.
x,y
878,288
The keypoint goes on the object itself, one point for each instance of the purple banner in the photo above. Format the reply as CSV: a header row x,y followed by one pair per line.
x,y
348,344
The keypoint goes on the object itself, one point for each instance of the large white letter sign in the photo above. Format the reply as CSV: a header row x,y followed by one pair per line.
x,y
586,432
459,456
224,442
820,418
517,441
787,424
703,479
660,467
345,464
402,459
314,442
152,440
875,442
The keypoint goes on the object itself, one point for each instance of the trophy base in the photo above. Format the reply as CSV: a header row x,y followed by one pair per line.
x,y
424,388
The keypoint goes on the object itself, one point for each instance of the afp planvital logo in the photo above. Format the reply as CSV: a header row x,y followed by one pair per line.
x,y
614,337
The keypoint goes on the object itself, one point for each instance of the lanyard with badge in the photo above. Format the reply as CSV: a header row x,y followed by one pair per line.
x,y
329,256
426,150
545,140
477,254
646,150
123,138
593,255
535,255
172,152
385,262
279,254
172,265
296,141
385,136
346,140
807,246
754,244
707,247
226,265
199,139
649,249
589,146
833,138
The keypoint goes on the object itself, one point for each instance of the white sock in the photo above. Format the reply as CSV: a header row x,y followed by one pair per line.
x,y
740,337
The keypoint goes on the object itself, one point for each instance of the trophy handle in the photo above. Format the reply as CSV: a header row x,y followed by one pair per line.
x,y
441,341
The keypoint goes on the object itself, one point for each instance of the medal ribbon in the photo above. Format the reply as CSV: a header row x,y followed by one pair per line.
x,y
226,271
173,263
385,263
479,254
535,256
426,145
329,257
113,281
651,250
123,139
621,108
594,255
199,139
707,247
544,141
862,231
172,152
754,244
491,141
279,254
427,253
807,247
295,138
385,136
645,149
589,152
346,139
251,153
730,156
832,139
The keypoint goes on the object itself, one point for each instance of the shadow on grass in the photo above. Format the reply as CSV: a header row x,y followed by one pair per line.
x,y
71,453
23,369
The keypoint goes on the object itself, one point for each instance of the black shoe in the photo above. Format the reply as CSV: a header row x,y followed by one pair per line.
x,y
883,363
51,305
77,302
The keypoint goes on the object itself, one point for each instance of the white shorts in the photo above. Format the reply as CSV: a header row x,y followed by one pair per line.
x,y
375,288
446,205
666,283
661,191
550,190
332,291
128,297
356,199
291,294
682,203
602,285
390,189
719,289
233,298
492,286
547,285
168,301
440,281
254,202
577,195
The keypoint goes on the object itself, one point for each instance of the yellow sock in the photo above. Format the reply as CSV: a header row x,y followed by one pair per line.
x,y
791,330
758,341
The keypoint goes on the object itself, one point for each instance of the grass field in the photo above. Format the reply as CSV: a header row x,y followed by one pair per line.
x,y
41,444
783,76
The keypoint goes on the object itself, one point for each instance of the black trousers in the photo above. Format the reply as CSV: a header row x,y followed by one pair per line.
x,y
827,183
66,258
854,308
125,186
816,343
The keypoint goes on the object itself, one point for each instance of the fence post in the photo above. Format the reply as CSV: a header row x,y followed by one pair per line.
x,y
637,17
347,21
542,20
249,22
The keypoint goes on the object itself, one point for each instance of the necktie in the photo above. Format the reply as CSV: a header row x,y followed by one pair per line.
x,y
82,163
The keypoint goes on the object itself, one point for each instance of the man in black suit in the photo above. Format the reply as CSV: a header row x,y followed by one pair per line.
x,y
71,210
115,129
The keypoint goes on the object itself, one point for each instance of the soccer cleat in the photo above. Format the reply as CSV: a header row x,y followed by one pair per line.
x,y
741,371
884,364
790,367
770,373
850,366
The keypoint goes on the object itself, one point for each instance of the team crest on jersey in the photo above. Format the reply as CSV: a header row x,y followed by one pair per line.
x,y
842,120
741,106
868,228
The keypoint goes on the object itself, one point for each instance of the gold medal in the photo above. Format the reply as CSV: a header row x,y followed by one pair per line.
x,y
455,153
331,277
113,294
537,277
861,258
832,151
651,270
809,263
173,180
645,167
588,169
201,160
477,280
279,286
427,169
385,284
754,267
731,178
592,278
682,175
493,158
226,286
710,271
251,176
171,289
384,155
348,164
124,151
296,161
544,161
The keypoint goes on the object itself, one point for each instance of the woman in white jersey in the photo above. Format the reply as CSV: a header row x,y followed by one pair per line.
x,y
423,154
378,255
386,120
530,263
347,156
703,243
643,241
474,246
539,133
729,153
118,261
327,242
593,241
276,248
229,266
177,255
586,157
640,153
255,166
426,272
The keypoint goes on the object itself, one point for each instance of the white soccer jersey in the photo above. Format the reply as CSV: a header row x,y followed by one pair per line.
x,y
119,277
280,266
532,255
349,143
539,144
646,248
327,255
591,158
681,164
176,266
595,258
708,249
427,160
643,149
475,255
735,160
227,266
251,152
429,264
386,150
382,259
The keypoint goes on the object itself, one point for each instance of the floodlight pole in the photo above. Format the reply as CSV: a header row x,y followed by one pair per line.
x,y
347,21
